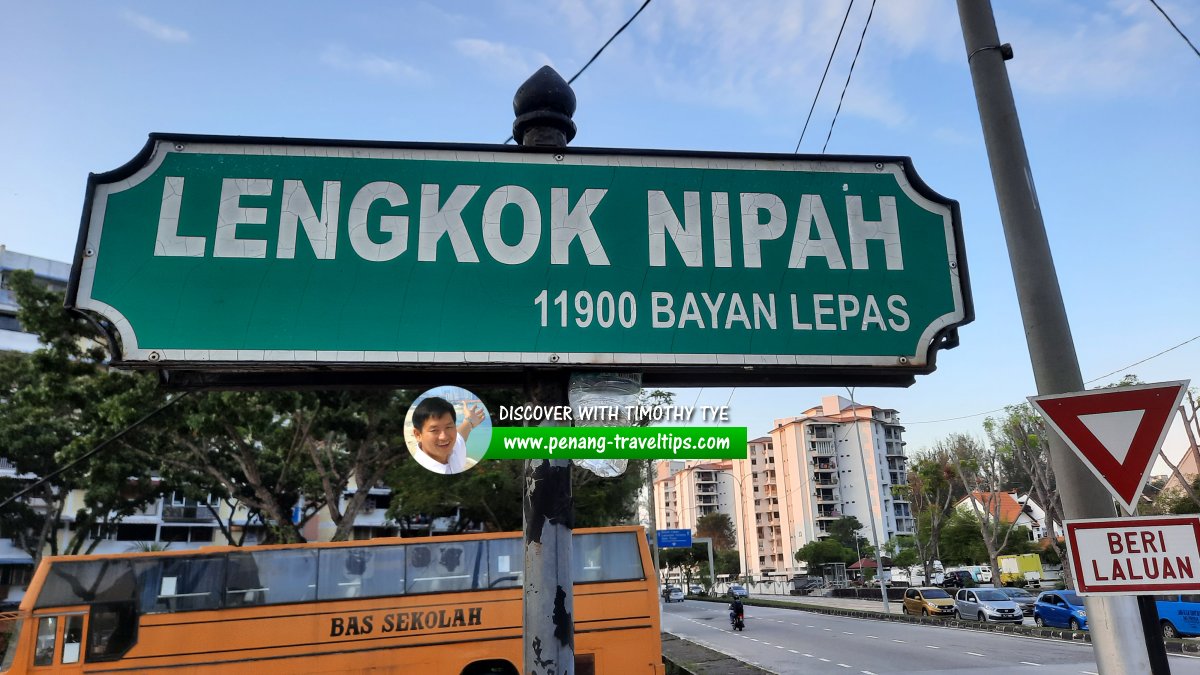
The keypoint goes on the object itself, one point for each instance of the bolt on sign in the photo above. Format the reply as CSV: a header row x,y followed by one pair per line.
x,y
232,255
1129,556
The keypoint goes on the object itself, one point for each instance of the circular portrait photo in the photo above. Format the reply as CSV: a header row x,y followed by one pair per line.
x,y
447,429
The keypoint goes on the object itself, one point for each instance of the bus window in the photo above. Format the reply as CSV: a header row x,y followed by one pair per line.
x,y
270,577
609,556
112,630
506,562
72,638
364,572
43,651
443,567
80,583
14,641
187,584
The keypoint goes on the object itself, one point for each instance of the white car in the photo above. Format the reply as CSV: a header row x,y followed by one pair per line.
x,y
675,595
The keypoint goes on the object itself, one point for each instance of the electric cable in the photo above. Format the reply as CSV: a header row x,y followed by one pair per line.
x,y
848,75
601,50
1097,379
1168,18
87,455
823,75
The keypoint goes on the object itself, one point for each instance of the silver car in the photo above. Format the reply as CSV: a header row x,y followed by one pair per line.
x,y
987,605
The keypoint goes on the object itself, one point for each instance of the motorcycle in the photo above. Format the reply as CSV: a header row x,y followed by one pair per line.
x,y
736,621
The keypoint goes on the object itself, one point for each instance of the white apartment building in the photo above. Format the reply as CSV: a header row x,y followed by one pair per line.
x,y
808,473
684,492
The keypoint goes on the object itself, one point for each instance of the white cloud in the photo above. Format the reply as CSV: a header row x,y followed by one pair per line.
x,y
1107,51
370,65
502,59
155,29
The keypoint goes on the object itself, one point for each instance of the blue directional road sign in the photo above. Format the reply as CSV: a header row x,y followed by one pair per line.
x,y
674,538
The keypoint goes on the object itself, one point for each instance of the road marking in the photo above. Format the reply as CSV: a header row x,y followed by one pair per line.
x,y
828,629
810,626
846,632
821,659
778,646
895,640
1088,672
932,647
1030,663
866,672
872,637
973,654
844,665
793,651
808,655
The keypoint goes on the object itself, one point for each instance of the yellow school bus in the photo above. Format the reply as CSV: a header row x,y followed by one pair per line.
x,y
431,605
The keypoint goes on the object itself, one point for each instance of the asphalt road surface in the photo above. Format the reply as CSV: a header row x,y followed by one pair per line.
x,y
788,641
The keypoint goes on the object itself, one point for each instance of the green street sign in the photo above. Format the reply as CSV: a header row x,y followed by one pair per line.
x,y
231,257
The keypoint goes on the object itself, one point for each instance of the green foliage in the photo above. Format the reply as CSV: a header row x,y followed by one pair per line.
x,y
728,562
823,551
718,526
845,531
55,405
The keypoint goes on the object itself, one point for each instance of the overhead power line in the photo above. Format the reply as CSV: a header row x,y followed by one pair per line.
x,y
848,75
1123,369
1168,18
602,48
824,74
90,453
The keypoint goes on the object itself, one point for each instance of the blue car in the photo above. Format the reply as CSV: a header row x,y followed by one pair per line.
x,y
1179,615
1061,609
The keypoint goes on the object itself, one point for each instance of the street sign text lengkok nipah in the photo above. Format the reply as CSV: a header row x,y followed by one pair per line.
x,y
233,254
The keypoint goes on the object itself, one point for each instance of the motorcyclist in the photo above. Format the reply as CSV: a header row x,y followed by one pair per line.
x,y
736,611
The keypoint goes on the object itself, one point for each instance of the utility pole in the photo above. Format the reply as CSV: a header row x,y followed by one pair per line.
x,y
1120,642
543,106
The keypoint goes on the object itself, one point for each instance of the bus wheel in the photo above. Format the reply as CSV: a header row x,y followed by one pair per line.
x,y
1169,630
490,668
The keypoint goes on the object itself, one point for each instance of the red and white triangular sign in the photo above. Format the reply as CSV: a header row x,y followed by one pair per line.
x,y
1116,432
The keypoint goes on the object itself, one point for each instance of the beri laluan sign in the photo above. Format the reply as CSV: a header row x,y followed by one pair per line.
x,y
1130,556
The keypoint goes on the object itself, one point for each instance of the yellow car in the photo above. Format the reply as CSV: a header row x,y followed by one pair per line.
x,y
928,601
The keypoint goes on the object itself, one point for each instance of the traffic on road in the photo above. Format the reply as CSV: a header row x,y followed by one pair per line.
x,y
789,641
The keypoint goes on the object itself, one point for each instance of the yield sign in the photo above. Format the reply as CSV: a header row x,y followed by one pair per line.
x,y
1116,432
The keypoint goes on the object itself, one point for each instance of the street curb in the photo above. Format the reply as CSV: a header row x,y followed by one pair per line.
x,y
684,657
1067,635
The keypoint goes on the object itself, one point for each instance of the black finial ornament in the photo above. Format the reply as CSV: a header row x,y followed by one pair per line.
x,y
544,105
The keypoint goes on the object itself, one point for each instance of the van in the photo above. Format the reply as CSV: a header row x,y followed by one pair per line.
x,y
1179,615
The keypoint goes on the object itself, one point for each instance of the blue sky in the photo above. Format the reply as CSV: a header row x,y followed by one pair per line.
x,y
1107,92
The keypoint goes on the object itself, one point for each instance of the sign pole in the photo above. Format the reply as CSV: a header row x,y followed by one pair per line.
x,y
1115,625
543,106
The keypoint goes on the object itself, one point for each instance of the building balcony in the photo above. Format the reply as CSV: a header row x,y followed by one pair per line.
x,y
821,448
188,513
823,496
828,515
895,449
824,479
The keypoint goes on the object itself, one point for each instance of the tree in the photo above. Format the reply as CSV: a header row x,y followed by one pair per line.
x,y
56,405
979,470
931,492
816,554
718,527
845,531
1021,436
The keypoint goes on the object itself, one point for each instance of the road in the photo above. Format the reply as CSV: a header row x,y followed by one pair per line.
x,y
788,641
